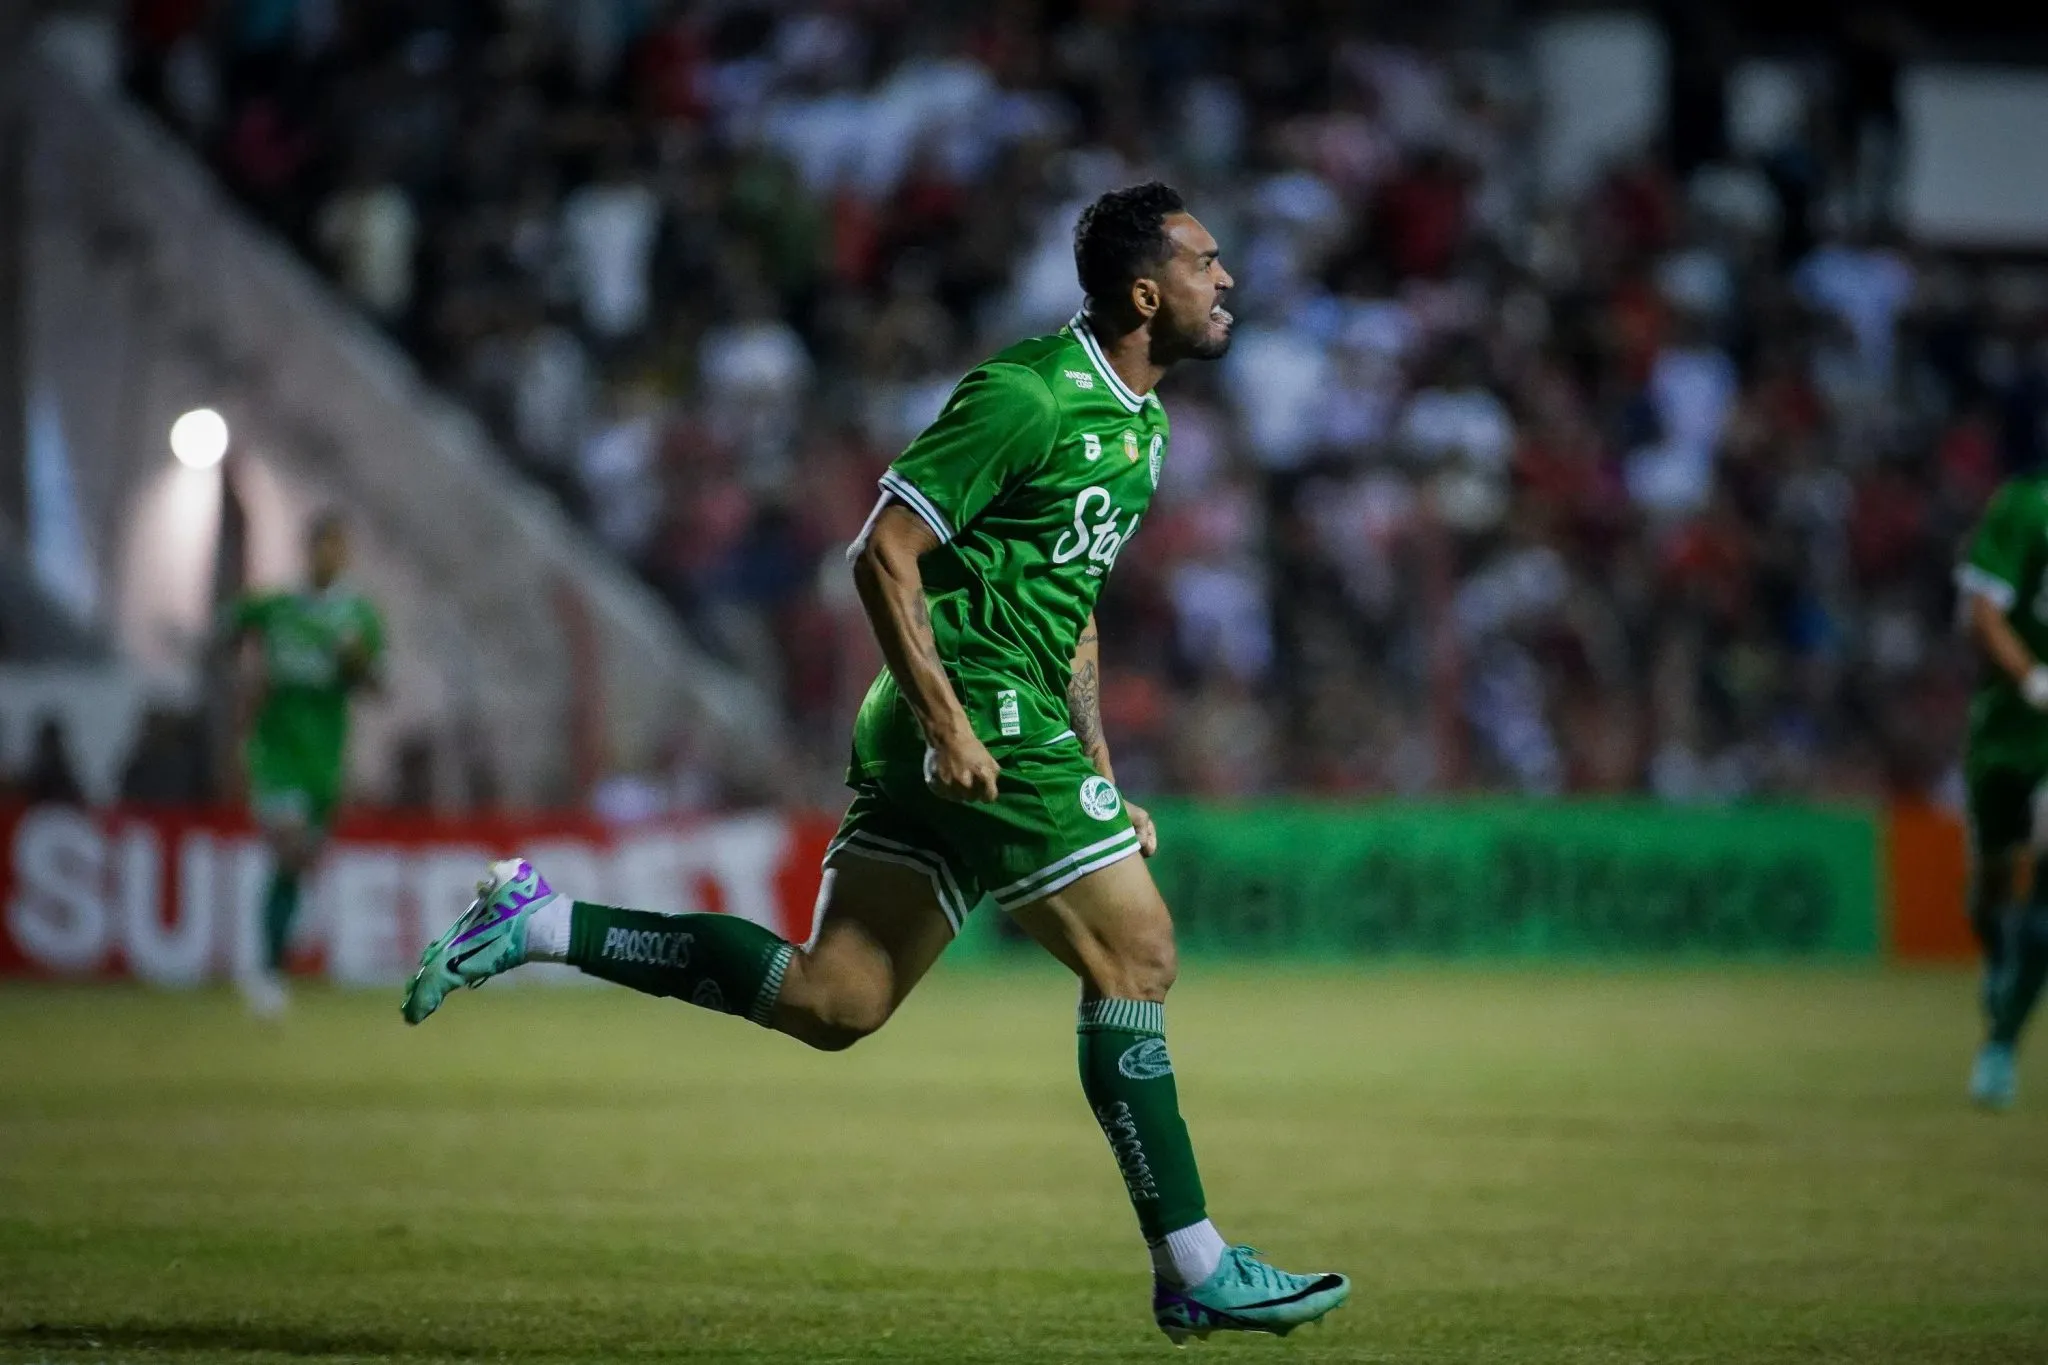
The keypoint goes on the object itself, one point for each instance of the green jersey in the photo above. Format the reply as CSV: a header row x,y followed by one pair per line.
x,y
1034,478
2007,563
301,729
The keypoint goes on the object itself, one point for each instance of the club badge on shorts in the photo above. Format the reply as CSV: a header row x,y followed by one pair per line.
x,y
1099,799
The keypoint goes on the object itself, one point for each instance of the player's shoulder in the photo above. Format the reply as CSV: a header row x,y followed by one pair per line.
x,y
2022,498
1016,379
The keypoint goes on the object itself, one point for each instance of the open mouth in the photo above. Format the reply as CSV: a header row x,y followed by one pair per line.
x,y
1221,314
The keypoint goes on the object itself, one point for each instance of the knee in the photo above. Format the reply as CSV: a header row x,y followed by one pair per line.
x,y
837,1015
1143,968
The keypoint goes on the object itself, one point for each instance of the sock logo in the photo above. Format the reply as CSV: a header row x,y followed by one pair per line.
x,y
1146,1060
649,946
1122,1131
708,996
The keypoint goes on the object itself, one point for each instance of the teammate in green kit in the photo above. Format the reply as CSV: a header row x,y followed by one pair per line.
x,y
311,652
979,767
2004,581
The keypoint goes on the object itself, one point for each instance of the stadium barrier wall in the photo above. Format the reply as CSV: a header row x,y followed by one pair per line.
x,y
1926,869
1494,879
171,897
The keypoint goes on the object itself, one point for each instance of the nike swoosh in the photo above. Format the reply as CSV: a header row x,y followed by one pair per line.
x,y
455,963
1322,1284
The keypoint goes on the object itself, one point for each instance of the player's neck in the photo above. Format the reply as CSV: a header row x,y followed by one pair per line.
x,y
1130,355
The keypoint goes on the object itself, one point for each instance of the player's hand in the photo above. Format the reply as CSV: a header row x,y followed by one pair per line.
x,y
2034,687
1141,821
960,768
354,657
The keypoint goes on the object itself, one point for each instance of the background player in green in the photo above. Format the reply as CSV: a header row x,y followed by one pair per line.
x,y
2004,579
979,767
308,653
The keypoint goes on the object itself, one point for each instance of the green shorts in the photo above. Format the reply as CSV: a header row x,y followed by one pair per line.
x,y
280,803
2001,805
1054,821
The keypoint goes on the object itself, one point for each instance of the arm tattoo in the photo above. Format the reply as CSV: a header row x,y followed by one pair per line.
x,y
1084,707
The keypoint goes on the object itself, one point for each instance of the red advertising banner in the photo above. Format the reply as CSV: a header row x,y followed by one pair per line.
x,y
172,897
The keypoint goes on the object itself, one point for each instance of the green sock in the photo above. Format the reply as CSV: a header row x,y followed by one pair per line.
x,y
280,906
2024,976
1128,1079
719,962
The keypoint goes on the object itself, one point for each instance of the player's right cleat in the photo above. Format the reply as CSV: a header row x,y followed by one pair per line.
x,y
1245,1295
488,939
1992,1081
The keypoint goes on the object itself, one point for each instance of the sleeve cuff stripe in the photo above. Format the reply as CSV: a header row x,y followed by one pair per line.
x,y
1996,590
918,503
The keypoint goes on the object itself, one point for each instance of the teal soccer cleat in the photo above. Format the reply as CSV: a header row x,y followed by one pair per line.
x,y
1991,1080
488,939
1245,1295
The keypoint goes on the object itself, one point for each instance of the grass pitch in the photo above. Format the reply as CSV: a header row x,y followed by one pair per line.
x,y
1514,1166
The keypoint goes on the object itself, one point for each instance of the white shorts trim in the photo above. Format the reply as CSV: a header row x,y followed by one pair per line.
x,y
1024,883
1069,877
944,890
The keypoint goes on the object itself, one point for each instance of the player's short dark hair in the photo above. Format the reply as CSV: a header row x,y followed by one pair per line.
x,y
1121,236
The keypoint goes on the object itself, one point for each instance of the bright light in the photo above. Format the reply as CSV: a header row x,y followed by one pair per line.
x,y
200,438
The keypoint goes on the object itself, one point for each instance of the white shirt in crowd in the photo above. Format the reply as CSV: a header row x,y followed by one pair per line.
x,y
617,465
609,231
370,233
1471,422
551,394
1692,389
1276,378
1864,287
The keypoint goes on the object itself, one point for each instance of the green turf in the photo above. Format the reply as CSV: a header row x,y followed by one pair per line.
x,y
1515,1166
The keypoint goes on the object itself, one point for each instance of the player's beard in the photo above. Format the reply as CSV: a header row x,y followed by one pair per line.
x,y
1200,341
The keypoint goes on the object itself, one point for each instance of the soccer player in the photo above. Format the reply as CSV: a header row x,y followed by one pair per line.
x,y
979,767
312,652
2004,581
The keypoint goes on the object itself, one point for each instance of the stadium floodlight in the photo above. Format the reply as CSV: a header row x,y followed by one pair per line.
x,y
199,438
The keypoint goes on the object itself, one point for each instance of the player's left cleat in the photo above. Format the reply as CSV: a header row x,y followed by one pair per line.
x,y
1992,1081
1245,1295
264,994
489,938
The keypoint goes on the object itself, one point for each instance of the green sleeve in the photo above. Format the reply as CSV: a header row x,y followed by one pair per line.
x,y
998,425
1996,559
244,615
372,633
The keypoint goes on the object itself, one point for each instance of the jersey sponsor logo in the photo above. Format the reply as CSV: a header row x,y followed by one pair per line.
x,y
1099,799
1082,379
1091,446
1145,1060
649,946
1097,531
1006,713
1122,1131
1131,446
1158,452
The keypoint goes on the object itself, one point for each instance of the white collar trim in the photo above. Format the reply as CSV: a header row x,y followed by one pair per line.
x,y
1086,336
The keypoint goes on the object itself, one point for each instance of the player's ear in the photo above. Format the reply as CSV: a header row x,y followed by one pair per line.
x,y
1145,297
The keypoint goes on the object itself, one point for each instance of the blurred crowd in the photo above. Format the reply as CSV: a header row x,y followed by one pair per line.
x,y
1652,487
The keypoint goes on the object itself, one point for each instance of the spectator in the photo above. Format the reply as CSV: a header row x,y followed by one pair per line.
x,y
608,231
49,777
369,233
